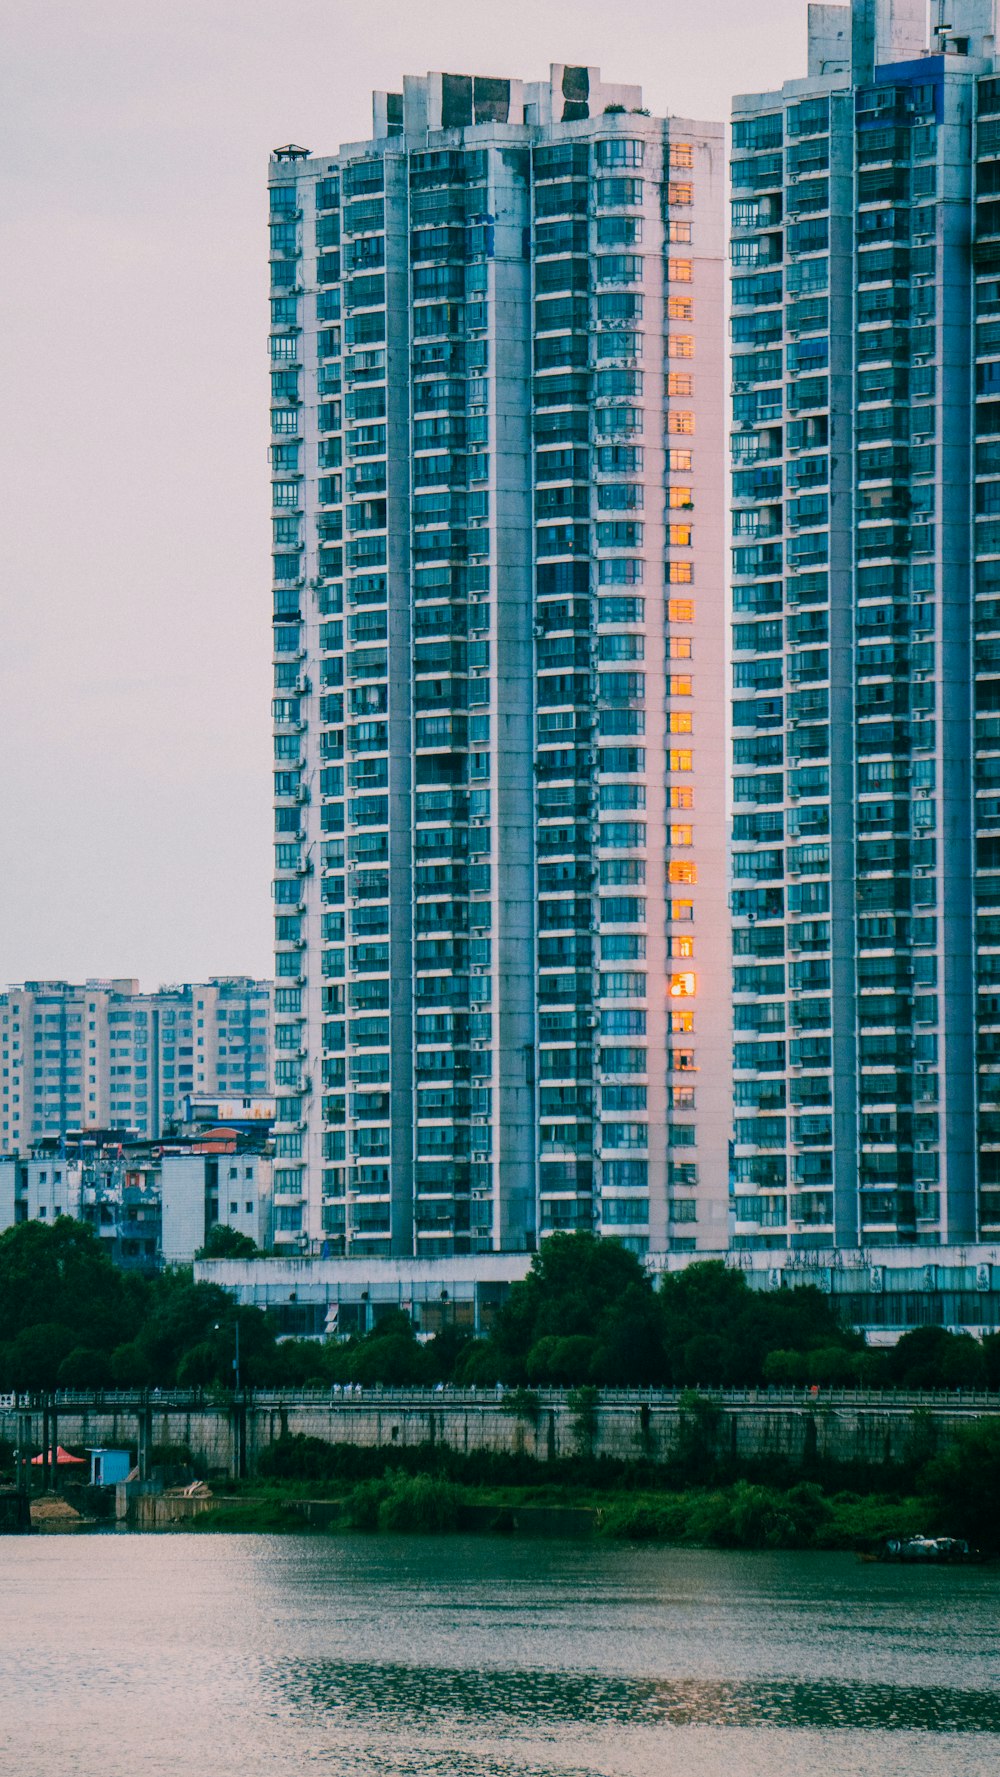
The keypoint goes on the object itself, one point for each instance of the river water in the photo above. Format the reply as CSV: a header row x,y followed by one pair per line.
x,y
212,1656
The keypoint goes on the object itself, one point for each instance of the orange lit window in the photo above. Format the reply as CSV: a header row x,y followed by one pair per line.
x,y
680,382
679,462
680,499
680,345
682,986
680,573
679,870
680,536
682,911
681,797
680,647
682,1061
682,1098
678,421
680,684
681,722
682,1023
681,759
680,271
680,610
679,233
682,947
681,154
682,835
680,191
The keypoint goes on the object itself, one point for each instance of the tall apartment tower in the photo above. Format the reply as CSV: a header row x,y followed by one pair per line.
x,y
866,636
499,758
103,1055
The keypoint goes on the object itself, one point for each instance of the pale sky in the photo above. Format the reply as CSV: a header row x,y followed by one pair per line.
x,y
134,520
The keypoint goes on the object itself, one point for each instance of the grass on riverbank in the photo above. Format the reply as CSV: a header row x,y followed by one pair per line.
x,y
743,1515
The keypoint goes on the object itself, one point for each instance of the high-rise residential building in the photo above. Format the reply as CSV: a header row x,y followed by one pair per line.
x,y
866,635
103,1055
501,926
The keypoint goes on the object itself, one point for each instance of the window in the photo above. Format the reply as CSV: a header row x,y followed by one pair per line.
x,y
679,870
681,722
681,759
680,610
681,154
680,191
679,462
679,573
617,152
679,536
681,836
680,345
681,797
679,233
680,308
682,911
680,271
680,685
679,421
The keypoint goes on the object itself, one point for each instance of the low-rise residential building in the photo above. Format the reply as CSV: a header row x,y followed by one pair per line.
x,y
151,1204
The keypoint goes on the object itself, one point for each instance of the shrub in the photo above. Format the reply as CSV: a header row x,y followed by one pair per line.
x,y
420,1503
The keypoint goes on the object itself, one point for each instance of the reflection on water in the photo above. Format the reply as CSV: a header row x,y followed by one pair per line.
x,y
411,1694
186,1656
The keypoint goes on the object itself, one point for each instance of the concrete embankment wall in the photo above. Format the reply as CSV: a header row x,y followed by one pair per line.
x,y
229,1440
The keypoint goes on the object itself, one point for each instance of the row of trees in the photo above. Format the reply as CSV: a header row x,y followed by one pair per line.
x,y
586,1314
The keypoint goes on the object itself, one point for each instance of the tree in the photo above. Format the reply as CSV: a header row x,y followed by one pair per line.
x,y
35,1356
964,1483
580,1286
931,1357
716,1329
223,1242
60,1274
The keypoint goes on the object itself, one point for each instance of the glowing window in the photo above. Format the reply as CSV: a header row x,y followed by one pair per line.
x,y
682,985
681,759
682,947
681,797
679,233
680,308
680,421
681,154
680,647
682,911
682,835
681,722
680,684
680,573
680,610
680,191
680,271
679,870
679,499
680,382
682,1023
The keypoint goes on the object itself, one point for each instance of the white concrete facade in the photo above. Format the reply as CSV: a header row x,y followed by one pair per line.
x,y
499,677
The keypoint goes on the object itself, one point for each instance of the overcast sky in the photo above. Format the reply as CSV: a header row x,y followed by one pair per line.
x,y
135,626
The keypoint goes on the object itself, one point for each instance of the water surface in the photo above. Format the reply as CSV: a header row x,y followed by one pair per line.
x,y
212,1656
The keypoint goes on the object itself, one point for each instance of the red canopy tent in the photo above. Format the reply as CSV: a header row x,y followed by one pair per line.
x,y
62,1457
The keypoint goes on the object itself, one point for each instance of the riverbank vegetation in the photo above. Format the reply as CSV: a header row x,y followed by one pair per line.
x,y
586,1316
948,1484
